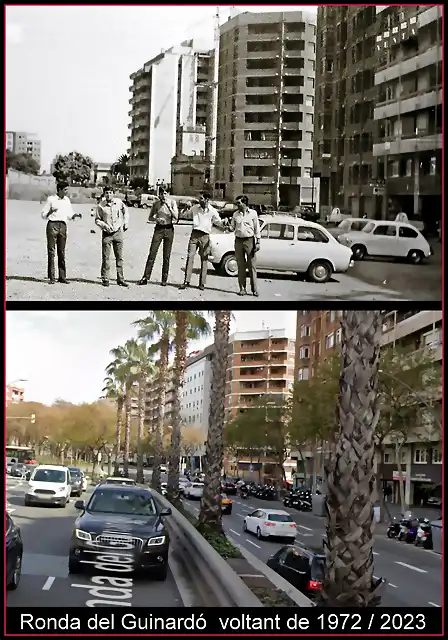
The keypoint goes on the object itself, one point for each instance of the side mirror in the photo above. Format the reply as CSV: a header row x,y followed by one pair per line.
x,y
164,512
80,504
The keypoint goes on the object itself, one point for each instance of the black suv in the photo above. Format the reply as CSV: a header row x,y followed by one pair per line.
x,y
124,522
302,567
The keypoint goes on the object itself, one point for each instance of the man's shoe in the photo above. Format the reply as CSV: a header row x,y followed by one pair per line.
x,y
201,287
143,281
163,284
63,280
255,293
51,281
185,285
242,292
122,283
105,283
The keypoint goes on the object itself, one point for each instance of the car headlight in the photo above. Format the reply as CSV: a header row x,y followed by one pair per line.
x,y
83,535
153,542
60,489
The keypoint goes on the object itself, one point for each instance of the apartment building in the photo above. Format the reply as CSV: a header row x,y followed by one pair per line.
x,y
408,113
169,111
14,394
265,114
318,333
152,401
346,95
197,389
21,142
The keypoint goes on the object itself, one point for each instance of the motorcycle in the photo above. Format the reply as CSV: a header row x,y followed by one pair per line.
x,y
409,532
393,530
424,534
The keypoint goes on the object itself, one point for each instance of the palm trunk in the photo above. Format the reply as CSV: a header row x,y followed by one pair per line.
x,y
180,359
141,426
118,433
163,377
350,472
127,432
210,513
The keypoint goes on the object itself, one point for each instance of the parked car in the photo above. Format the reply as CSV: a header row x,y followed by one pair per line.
x,y
302,567
337,215
194,490
122,482
229,487
76,481
270,523
49,484
387,239
121,518
226,505
347,225
288,244
14,553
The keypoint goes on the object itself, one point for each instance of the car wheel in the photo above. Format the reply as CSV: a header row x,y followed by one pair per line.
x,y
229,266
415,256
320,271
74,566
245,526
259,536
161,573
15,579
359,252
144,206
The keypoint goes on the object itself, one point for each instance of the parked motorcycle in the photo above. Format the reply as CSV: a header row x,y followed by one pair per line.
x,y
393,530
408,531
424,534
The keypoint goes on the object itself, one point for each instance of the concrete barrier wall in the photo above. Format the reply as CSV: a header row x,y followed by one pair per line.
x,y
22,186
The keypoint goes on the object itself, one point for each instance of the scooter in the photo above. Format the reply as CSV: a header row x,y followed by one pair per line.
x,y
410,532
393,530
424,534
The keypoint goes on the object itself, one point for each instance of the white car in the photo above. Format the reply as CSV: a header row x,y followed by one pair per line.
x,y
349,224
194,490
49,484
287,244
382,238
164,488
267,523
127,482
85,481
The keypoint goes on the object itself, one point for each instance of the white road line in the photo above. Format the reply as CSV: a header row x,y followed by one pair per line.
x,y
300,526
375,553
48,583
240,516
251,575
410,566
392,585
433,604
304,535
235,532
196,508
255,545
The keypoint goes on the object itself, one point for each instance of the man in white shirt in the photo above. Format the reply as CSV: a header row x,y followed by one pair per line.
x,y
246,226
204,218
57,211
113,219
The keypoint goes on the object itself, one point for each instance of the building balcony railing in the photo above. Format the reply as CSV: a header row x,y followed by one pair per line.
x,y
261,73
260,126
416,102
293,180
260,108
258,180
409,65
262,37
291,144
410,144
259,162
268,55
262,91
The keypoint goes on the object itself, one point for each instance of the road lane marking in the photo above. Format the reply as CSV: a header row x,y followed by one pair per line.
x,y
251,575
235,532
305,535
48,583
255,545
240,516
196,508
410,566
375,553
433,604
300,526
392,585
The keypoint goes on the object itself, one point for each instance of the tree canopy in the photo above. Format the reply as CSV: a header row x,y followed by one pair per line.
x,y
22,162
73,167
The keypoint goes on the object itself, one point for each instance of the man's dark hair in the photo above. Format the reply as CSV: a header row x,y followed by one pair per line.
x,y
243,199
107,188
206,195
61,185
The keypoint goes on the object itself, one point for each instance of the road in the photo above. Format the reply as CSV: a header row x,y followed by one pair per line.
x,y
45,582
414,576
26,269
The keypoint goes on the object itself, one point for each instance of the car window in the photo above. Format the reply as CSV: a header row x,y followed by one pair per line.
x,y
370,226
278,517
358,225
276,231
49,475
385,230
297,561
125,502
318,569
255,514
344,225
282,554
407,232
309,234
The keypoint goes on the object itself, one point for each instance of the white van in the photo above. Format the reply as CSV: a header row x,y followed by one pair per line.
x,y
49,484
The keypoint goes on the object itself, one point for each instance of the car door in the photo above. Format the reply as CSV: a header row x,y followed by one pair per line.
x,y
311,244
297,568
383,241
251,519
278,562
277,247
408,240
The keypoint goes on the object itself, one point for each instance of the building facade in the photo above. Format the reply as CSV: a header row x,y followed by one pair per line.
x,y
318,334
408,114
14,394
197,389
169,111
21,142
265,113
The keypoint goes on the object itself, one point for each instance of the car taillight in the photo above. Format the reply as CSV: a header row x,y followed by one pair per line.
x,y
269,524
293,525
313,585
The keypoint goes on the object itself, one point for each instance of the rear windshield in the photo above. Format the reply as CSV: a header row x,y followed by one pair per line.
x,y
318,569
277,517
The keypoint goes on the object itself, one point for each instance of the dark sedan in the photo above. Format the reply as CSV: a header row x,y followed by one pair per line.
x,y
75,481
124,523
229,487
14,553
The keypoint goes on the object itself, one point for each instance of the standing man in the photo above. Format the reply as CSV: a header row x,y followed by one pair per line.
x,y
204,217
57,210
246,226
112,218
164,213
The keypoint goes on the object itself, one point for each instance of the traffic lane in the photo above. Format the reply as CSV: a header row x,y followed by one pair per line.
x,y
401,573
46,533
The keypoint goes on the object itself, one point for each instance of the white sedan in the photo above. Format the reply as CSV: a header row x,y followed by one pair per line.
x,y
194,490
382,238
287,244
267,523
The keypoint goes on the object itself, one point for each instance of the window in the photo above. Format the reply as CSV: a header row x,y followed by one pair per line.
x,y
407,232
303,374
309,101
408,167
332,316
338,336
437,455
308,234
278,231
385,230
433,167
307,172
420,456
316,349
329,341
305,330
388,457
311,82
304,353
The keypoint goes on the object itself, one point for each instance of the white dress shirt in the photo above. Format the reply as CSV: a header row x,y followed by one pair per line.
x,y
246,225
205,219
58,209
113,216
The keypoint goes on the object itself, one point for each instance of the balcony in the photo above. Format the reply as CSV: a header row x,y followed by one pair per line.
x,y
291,144
264,55
411,144
260,108
291,162
292,108
294,35
260,144
262,37
293,72
259,162
428,15
415,103
261,91
257,180
409,65
258,73
260,126
291,126
294,180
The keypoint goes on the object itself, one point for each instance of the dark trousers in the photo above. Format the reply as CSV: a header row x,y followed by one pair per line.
x,y
165,235
56,241
199,241
246,259
114,240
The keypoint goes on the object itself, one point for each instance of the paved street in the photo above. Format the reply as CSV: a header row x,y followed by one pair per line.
x,y
414,576
26,269
45,582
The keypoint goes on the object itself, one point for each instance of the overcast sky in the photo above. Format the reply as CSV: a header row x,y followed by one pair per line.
x,y
68,68
63,354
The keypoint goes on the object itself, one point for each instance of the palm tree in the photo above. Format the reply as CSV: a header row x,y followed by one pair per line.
x,y
158,328
350,469
114,389
121,167
210,513
190,325
145,369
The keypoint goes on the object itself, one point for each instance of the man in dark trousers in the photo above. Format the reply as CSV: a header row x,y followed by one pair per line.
x,y
113,219
246,226
58,210
164,213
